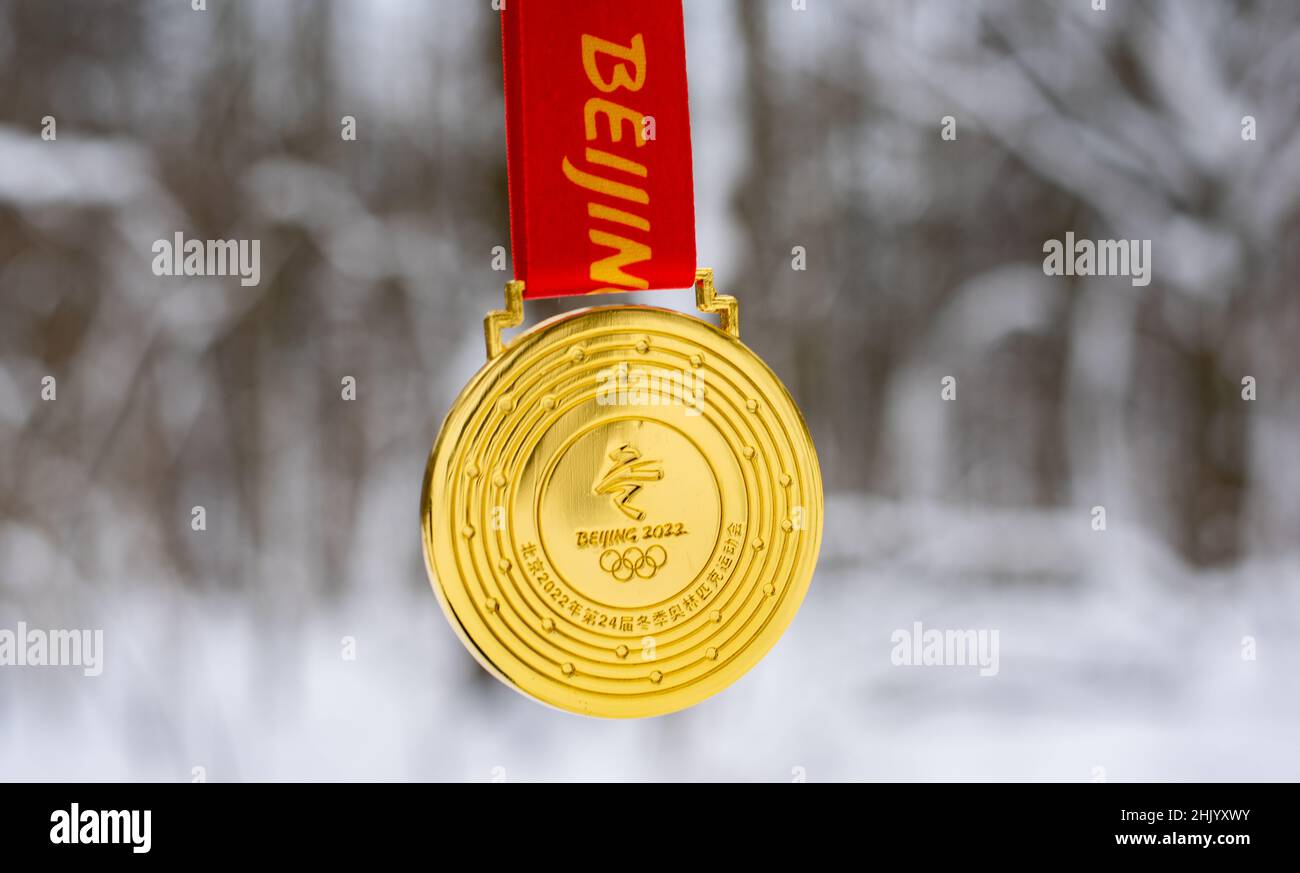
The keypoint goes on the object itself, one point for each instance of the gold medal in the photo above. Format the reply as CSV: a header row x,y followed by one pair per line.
x,y
623,509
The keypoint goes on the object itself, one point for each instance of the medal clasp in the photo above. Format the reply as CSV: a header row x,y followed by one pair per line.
x,y
500,319
707,300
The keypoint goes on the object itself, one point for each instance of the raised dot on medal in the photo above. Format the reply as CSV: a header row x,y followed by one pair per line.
x,y
758,544
656,677
471,471
785,480
697,361
769,589
491,604
711,653
467,531
643,346
499,480
621,651
751,404
577,354
566,668
715,616
548,624
548,402
787,525
504,564
748,452
506,404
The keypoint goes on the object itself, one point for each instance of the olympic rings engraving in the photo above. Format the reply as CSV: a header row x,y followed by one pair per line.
x,y
633,562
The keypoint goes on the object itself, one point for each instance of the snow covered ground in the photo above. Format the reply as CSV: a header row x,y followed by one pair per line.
x,y
1115,664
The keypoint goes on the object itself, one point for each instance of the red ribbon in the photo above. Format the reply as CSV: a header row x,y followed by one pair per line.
x,y
598,138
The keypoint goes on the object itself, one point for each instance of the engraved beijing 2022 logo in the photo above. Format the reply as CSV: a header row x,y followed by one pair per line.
x,y
624,478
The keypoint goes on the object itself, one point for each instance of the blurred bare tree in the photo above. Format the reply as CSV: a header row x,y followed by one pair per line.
x,y
923,254
923,261
227,124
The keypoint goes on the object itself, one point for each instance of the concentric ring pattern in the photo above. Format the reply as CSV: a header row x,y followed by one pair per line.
x,y
539,443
